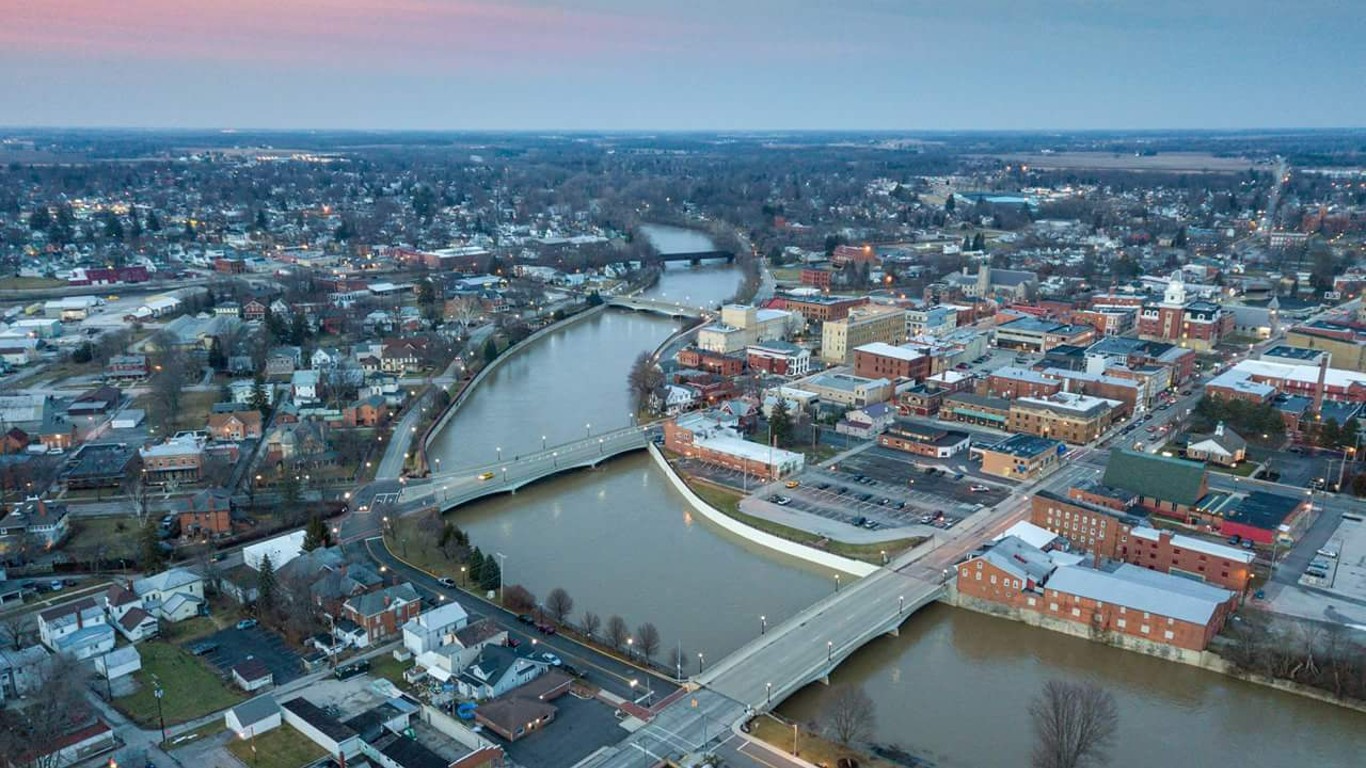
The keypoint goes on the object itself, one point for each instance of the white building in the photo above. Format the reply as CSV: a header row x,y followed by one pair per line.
x,y
434,628
118,662
79,628
280,549
173,595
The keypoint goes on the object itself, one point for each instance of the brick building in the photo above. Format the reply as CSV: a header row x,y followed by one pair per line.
x,y
821,309
711,362
923,439
1022,457
698,436
1076,419
1199,325
865,325
779,358
817,278
885,361
382,614
1013,382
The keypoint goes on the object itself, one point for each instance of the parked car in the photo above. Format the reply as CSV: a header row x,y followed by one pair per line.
x,y
446,581
203,649
246,623
1330,553
860,520
551,659
353,669
526,618
782,501
55,585
979,488
792,484
546,629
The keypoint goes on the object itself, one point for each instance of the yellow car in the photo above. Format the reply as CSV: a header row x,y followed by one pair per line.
x,y
486,476
792,483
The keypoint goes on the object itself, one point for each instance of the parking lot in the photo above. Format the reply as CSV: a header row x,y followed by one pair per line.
x,y
1346,573
881,488
581,727
235,645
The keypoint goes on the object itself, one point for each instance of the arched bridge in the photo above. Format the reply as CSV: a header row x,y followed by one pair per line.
x,y
450,489
668,308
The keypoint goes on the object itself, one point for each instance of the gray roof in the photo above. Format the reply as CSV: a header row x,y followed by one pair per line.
x,y
1020,559
374,603
1140,589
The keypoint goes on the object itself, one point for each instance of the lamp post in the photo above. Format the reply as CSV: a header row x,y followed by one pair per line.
x,y
769,687
589,429
701,663
763,624
837,582
502,566
555,457
499,449
542,443
158,693
900,604
630,647
505,475
829,650
463,582
599,446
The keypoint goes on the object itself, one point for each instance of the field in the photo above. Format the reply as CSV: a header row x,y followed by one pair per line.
x,y
29,283
1111,161
191,689
282,747
194,408
109,537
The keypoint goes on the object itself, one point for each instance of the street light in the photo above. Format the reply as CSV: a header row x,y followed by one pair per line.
x,y
829,650
630,644
700,663
542,442
599,446
900,604
502,566
837,582
462,576
499,449
589,429
158,692
769,686
763,624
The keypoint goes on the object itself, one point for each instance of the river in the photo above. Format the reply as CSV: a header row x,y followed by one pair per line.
x,y
954,686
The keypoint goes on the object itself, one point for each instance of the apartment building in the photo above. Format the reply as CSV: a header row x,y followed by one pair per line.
x,y
864,325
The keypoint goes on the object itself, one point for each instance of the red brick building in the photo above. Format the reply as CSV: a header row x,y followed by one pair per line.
x,y
880,360
853,254
1011,383
818,309
711,362
818,278
381,614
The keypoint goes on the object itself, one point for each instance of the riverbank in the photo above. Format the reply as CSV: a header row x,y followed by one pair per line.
x,y
769,540
1207,660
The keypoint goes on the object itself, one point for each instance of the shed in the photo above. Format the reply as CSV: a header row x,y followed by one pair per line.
x,y
119,662
253,717
252,674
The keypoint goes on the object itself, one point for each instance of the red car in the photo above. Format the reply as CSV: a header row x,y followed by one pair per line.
x,y
545,629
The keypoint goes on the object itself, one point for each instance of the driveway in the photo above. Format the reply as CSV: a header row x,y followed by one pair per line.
x,y
236,645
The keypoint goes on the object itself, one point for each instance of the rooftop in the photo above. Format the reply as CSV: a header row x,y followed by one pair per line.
x,y
883,349
1156,477
1266,511
1027,446
1140,589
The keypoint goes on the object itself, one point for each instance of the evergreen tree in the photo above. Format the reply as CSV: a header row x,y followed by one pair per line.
x,y
189,230
490,351
1330,434
476,565
262,222
134,224
490,575
979,242
290,488
259,400
150,556
153,222
316,534
298,329
780,422
1348,438
40,220
266,588
949,205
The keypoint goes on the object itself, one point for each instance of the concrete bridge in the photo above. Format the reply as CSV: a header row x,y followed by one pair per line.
x,y
657,306
811,644
450,489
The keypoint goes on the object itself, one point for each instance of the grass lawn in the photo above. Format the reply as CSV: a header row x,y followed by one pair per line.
x,y
389,668
1242,470
194,408
729,503
412,544
117,536
282,747
192,688
810,747
191,629
17,283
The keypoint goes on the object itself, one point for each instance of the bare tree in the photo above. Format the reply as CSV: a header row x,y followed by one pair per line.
x,y
617,631
18,630
849,714
518,598
29,735
559,604
591,623
647,639
173,373
644,378
1074,724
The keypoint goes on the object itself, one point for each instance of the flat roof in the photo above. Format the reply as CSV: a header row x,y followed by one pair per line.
x,y
883,349
1267,511
1025,446
1140,589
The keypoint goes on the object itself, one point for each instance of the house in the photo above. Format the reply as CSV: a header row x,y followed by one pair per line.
x,y
207,513
447,661
84,735
254,717
241,583
35,522
119,662
496,671
283,361
254,310
252,674
305,385
15,440
867,421
434,628
382,614
1224,447
402,355
370,411
235,426
280,550
301,441
96,402
22,670
172,595
78,628
128,615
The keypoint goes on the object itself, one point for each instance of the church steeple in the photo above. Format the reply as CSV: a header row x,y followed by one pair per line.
x,y
1176,290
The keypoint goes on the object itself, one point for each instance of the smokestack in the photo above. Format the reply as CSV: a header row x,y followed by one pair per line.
x,y
1319,388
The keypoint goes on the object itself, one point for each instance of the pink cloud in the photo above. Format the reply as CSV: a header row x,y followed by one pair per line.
x,y
362,33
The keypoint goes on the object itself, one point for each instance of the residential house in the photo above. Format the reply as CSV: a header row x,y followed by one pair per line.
x,y
402,355
498,670
434,628
15,440
254,310
306,386
207,513
79,628
235,426
97,402
303,441
22,670
449,660
172,595
34,522
382,614
370,411
525,710
283,361
867,421
128,615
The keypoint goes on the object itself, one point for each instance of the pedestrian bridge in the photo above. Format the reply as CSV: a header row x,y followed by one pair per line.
x,y
450,489
657,306
809,646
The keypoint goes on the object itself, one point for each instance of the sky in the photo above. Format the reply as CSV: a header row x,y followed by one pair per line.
x,y
683,64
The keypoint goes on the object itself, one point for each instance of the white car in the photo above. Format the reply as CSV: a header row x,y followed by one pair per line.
x,y
551,659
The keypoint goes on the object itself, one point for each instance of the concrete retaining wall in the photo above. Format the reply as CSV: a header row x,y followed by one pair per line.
x,y
478,379
762,538
453,728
